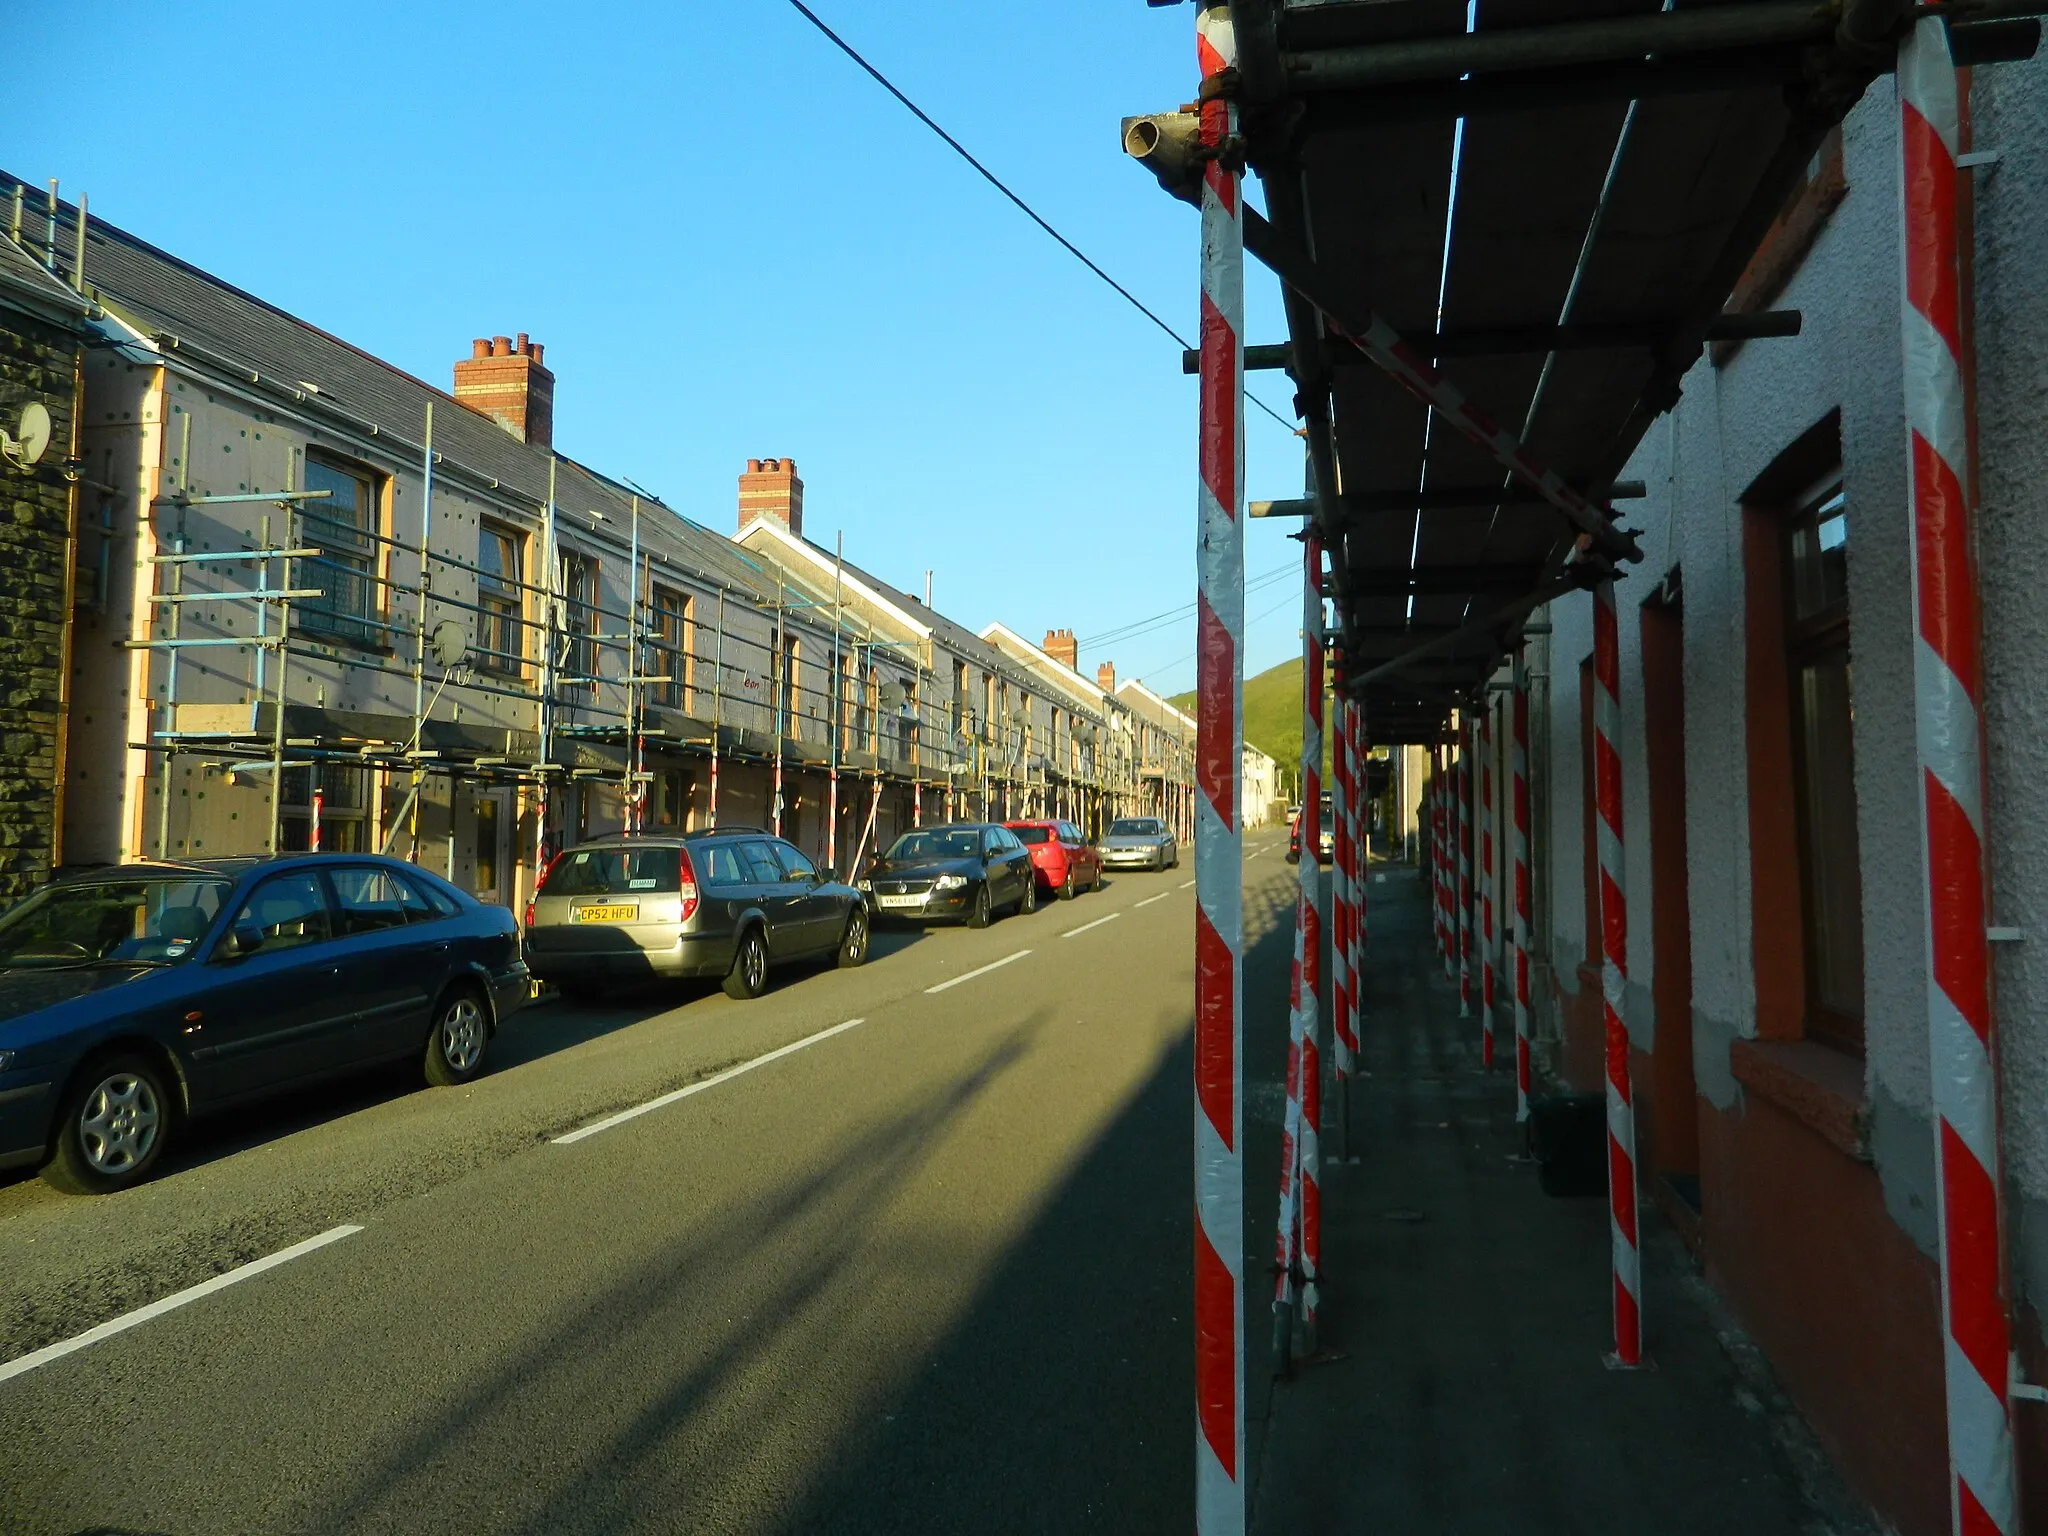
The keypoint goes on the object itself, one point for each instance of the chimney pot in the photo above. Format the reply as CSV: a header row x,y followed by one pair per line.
x,y
521,344
501,346
481,347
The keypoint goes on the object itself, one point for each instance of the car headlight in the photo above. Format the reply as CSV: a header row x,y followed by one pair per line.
x,y
866,885
949,882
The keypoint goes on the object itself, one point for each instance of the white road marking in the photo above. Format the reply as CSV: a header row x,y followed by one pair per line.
x,y
1150,899
993,965
171,1303
1379,879
663,1100
1185,884
1096,924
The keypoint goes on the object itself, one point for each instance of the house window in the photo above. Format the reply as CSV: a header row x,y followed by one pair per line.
x,y
959,697
671,646
784,685
580,620
344,797
342,525
501,639
1824,763
672,797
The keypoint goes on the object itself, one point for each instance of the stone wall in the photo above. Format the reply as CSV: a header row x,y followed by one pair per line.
x,y
37,362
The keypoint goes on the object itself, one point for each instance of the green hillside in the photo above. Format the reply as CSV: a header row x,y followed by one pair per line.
x,y
1272,715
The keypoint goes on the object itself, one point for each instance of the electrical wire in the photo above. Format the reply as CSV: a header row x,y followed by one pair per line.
x,y
1023,207
1178,615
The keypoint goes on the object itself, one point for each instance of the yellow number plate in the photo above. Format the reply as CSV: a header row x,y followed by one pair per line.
x,y
617,914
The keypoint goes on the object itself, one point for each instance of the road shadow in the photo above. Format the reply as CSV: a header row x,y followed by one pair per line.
x,y
686,1434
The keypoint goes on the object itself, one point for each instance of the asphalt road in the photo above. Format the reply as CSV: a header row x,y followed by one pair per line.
x,y
926,1271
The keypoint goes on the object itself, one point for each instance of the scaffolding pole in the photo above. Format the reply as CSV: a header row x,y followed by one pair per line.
x,y
1219,844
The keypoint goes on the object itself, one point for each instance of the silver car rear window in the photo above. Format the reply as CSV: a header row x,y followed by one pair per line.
x,y
615,871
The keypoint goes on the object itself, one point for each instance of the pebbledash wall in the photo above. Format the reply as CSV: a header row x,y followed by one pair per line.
x,y
39,361
1815,1210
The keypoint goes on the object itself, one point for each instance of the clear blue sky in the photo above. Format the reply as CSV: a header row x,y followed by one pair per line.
x,y
733,244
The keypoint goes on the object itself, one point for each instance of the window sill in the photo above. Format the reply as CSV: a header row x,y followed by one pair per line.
x,y
1817,1085
315,635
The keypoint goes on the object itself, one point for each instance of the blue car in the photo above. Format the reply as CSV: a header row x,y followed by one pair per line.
x,y
135,997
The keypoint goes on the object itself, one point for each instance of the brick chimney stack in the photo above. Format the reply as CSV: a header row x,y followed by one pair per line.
x,y
1060,646
503,378
770,488
1105,678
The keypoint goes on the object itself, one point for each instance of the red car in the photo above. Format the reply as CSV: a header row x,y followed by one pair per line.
x,y
1063,860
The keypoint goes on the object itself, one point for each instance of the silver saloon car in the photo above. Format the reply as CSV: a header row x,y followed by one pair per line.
x,y
726,902
1139,842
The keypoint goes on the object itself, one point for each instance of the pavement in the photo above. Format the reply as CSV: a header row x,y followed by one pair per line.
x,y
897,1249
1462,1385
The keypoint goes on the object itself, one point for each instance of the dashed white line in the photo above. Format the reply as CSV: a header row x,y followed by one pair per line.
x,y
1150,899
1096,924
663,1100
993,965
1185,884
172,1302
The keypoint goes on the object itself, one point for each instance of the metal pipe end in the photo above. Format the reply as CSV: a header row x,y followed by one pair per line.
x,y
1165,144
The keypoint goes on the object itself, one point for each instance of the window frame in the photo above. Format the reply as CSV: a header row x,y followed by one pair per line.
x,y
357,555
501,604
1816,638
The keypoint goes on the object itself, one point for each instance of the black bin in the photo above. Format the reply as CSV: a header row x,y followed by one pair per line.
x,y
1568,1139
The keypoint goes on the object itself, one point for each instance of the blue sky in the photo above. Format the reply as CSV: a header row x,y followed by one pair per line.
x,y
733,244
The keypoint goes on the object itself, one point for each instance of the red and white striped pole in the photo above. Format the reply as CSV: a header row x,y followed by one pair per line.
x,y
1948,700
1461,791
1219,841
1361,854
1341,979
313,821
1444,920
1621,1112
1309,869
1486,885
1518,767
1298,1239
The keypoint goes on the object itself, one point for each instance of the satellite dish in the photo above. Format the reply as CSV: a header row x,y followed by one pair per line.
x,y
31,436
450,644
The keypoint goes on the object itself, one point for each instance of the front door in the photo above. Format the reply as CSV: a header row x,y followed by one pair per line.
x,y
279,1012
490,830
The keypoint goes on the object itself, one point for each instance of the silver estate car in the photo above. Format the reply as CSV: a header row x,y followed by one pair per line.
x,y
1139,842
727,902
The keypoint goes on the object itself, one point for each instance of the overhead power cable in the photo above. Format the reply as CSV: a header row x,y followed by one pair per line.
x,y
1181,614
995,181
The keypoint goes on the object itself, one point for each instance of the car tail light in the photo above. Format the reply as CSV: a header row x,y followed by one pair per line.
x,y
540,885
686,881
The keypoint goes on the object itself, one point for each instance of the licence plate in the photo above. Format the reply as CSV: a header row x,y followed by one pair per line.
x,y
899,901
613,914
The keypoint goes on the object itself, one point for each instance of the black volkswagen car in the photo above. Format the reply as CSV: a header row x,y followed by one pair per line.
x,y
135,996
963,870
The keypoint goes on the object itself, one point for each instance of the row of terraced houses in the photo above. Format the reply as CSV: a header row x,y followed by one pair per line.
x,y
279,594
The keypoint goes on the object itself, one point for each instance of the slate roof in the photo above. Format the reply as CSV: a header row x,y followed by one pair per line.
x,y
182,308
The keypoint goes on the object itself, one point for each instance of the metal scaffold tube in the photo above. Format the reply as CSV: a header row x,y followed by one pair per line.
x,y
1621,1114
1361,854
1461,796
1948,686
1486,886
1519,768
1219,851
